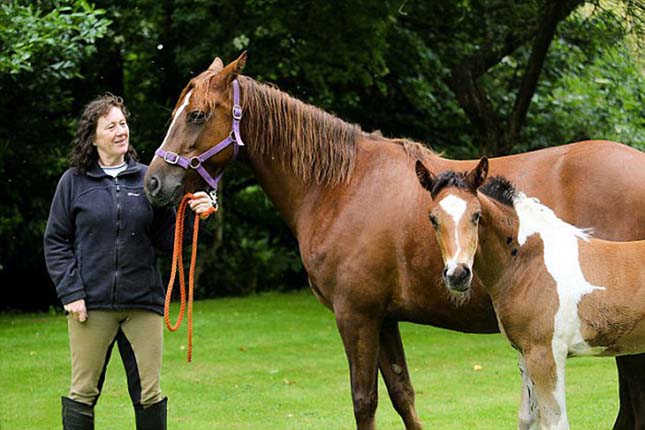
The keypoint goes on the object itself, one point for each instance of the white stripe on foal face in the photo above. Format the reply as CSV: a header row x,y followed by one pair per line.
x,y
455,207
179,111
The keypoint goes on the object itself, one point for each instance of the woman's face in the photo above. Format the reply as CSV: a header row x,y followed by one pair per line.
x,y
112,137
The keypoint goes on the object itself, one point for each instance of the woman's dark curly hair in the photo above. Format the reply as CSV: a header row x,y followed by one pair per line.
x,y
84,154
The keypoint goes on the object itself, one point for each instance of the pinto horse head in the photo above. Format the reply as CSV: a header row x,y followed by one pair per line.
x,y
203,136
454,213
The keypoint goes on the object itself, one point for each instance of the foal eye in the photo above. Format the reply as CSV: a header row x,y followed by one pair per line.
x,y
196,117
476,217
433,220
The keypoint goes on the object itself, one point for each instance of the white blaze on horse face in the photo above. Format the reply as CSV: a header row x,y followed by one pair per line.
x,y
561,258
174,119
455,207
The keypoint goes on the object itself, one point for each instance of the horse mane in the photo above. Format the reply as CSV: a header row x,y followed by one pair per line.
x,y
500,189
449,178
542,218
316,145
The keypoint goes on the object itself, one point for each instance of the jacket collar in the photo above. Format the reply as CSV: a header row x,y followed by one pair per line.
x,y
97,172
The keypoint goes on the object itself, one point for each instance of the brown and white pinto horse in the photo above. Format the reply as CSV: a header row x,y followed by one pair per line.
x,y
557,291
354,204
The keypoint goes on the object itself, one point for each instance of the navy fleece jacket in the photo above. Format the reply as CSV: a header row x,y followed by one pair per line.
x,y
101,238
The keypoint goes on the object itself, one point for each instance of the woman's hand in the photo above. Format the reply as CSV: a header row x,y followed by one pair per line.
x,y
202,204
77,310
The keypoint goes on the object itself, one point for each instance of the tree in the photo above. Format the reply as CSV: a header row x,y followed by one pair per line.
x,y
44,45
466,77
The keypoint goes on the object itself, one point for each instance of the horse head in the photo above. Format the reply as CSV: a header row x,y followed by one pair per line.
x,y
203,136
454,213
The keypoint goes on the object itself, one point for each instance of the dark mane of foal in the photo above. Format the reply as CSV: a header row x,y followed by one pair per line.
x,y
496,187
449,178
500,189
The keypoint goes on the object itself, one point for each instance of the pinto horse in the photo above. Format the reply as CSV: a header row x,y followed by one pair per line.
x,y
353,202
557,291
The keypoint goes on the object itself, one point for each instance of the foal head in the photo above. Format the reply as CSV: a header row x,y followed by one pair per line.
x,y
455,212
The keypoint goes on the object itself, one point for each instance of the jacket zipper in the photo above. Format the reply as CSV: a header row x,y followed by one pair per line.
x,y
116,250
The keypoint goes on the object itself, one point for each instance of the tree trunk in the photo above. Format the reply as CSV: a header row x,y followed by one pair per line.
x,y
495,135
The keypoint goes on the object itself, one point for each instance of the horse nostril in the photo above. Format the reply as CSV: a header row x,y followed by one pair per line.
x,y
445,272
465,273
153,185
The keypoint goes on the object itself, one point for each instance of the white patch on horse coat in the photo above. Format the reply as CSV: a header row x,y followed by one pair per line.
x,y
174,119
455,207
561,258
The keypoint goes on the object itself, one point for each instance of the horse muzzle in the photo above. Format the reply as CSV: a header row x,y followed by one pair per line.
x,y
159,195
458,278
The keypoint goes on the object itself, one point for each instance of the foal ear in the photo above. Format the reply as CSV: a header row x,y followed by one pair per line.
x,y
217,65
425,176
477,176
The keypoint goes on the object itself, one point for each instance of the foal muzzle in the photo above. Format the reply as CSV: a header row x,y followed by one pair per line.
x,y
458,278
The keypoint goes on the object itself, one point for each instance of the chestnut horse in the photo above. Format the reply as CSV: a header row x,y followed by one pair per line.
x,y
354,204
557,291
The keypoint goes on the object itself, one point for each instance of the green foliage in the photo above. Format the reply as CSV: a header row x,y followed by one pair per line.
x,y
594,89
257,253
383,65
45,45
50,42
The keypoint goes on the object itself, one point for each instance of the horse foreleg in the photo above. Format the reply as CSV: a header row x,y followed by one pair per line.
x,y
631,380
528,416
546,370
360,336
395,373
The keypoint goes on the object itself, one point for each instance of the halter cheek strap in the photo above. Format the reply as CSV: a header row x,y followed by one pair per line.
x,y
196,162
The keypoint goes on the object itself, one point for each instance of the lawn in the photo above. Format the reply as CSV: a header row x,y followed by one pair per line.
x,y
275,361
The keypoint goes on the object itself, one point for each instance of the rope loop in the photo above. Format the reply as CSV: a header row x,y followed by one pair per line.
x,y
178,266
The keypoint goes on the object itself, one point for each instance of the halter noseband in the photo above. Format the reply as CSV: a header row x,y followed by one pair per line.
x,y
196,161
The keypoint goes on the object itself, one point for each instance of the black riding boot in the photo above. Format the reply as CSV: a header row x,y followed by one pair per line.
x,y
77,415
153,417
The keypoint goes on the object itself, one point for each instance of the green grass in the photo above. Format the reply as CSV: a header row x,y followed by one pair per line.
x,y
275,361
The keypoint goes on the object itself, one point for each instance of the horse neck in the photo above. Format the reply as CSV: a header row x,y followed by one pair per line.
x,y
498,247
295,150
287,192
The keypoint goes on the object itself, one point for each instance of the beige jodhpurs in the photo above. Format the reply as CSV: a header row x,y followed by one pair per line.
x,y
139,336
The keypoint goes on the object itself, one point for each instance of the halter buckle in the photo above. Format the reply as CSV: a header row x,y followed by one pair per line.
x,y
237,112
169,160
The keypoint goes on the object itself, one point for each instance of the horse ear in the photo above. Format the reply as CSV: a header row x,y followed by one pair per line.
x,y
477,176
217,65
233,70
425,176
239,64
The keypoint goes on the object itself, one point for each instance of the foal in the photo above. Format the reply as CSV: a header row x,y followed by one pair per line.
x,y
557,292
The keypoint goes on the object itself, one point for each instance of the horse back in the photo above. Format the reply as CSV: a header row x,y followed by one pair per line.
x,y
590,184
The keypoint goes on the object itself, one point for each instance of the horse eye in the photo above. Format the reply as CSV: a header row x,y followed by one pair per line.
x,y
433,220
476,217
197,117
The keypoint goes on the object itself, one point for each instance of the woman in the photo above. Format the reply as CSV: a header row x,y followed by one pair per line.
x,y
100,246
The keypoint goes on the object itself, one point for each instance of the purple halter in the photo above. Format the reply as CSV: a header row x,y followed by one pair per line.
x,y
196,162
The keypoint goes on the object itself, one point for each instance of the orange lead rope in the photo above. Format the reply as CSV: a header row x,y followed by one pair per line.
x,y
177,263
